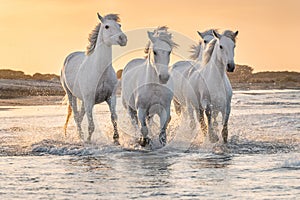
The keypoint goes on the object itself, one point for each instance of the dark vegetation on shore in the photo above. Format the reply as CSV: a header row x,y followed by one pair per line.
x,y
243,78
17,84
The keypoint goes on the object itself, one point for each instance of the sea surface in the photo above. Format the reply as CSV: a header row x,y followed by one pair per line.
x,y
260,161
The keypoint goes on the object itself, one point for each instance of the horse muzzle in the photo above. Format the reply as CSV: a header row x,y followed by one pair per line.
x,y
230,67
163,79
122,40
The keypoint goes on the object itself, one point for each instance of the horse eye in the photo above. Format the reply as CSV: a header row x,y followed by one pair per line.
x,y
120,25
205,41
221,47
154,52
106,27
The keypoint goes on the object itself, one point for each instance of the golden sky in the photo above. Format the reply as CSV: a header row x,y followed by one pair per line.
x,y
37,35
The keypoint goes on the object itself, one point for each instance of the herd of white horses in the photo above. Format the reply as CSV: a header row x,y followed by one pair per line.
x,y
198,87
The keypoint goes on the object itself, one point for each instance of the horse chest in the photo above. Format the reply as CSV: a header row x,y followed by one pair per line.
x,y
103,92
154,95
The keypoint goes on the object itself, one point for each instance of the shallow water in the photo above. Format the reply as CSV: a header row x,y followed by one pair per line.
x,y
261,160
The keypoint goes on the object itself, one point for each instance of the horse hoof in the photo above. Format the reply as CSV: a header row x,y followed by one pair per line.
x,y
144,141
89,139
162,140
213,138
116,141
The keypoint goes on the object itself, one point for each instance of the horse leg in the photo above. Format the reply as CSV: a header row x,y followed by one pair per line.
x,y
212,136
73,106
133,115
142,118
225,123
177,107
78,116
91,126
79,119
70,97
214,116
190,112
200,116
165,118
112,107
81,113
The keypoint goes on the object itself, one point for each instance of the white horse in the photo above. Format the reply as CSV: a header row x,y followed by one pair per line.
x,y
146,88
212,90
90,77
180,69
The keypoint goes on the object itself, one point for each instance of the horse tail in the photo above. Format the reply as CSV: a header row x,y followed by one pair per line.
x,y
69,108
65,100
67,119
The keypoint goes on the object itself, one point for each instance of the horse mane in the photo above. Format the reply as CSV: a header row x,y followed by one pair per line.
x,y
196,49
161,33
208,51
95,32
230,34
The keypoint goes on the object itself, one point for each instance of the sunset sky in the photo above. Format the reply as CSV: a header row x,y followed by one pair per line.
x,y
37,35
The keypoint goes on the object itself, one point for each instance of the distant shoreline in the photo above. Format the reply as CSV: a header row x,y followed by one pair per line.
x,y
18,89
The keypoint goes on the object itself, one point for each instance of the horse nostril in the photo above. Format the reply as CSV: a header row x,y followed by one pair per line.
x,y
230,67
122,40
167,77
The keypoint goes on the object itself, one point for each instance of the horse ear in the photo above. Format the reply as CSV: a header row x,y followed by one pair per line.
x,y
217,35
200,34
151,36
236,33
100,18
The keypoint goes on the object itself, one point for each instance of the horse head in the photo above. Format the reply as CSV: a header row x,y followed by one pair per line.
x,y
197,50
206,36
225,48
161,46
111,30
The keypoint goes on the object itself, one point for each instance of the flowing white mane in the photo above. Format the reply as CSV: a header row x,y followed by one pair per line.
x,y
162,33
94,34
195,50
208,51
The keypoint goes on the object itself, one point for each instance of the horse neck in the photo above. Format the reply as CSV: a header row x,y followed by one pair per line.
x,y
199,59
198,62
151,74
102,55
